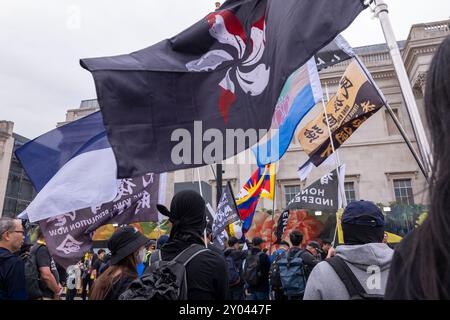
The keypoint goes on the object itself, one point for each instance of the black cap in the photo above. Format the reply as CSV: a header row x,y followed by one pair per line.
x,y
364,213
232,241
315,245
257,241
125,241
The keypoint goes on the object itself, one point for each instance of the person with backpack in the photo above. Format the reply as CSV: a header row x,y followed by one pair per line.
x,y
274,273
311,256
360,268
234,258
256,268
292,270
127,246
48,272
183,269
282,248
12,269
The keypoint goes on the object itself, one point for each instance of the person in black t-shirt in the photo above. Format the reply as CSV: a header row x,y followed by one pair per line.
x,y
49,276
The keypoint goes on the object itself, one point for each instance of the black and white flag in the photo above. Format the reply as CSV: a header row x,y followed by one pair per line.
x,y
226,214
69,236
323,194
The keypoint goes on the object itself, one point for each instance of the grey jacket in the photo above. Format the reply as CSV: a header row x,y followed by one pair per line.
x,y
363,260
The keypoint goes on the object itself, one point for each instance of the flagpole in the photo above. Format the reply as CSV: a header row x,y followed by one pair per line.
x,y
201,193
273,210
381,12
338,164
337,159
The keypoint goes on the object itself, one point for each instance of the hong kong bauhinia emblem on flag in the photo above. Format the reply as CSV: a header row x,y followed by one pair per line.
x,y
226,28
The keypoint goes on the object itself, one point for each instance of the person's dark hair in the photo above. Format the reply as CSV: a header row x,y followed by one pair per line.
x,y
430,254
296,238
232,241
257,241
99,252
112,275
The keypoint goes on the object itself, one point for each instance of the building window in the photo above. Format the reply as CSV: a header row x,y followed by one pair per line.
x,y
290,192
403,191
350,194
391,127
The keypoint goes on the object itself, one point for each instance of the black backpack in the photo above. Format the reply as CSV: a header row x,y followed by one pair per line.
x,y
32,275
234,277
274,273
252,269
163,280
354,287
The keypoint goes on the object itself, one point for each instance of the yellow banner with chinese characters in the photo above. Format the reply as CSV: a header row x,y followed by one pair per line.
x,y
356,100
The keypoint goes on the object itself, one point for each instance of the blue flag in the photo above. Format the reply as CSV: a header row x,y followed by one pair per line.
x,y
72,167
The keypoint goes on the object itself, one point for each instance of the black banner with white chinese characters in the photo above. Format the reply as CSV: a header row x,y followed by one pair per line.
x,y
69,235
226,214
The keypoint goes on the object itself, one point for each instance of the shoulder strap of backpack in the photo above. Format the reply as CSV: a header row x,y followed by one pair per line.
x,y
346,275
189,253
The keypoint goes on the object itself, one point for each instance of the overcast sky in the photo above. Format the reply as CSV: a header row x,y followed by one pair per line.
x,y
41,42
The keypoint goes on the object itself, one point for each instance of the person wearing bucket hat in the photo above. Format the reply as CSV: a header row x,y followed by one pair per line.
x,y
127,246
206,273
346,275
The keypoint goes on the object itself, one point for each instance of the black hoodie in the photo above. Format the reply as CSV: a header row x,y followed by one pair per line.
x,y
207,277
12,277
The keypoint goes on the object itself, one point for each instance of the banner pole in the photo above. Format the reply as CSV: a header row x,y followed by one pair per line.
x,y
273,210
337,160
201,193
338,164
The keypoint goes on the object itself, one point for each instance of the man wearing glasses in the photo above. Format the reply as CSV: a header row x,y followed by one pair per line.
x,y
12,269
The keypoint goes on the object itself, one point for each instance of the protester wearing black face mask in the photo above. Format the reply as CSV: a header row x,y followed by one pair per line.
x,y
206,273
363,256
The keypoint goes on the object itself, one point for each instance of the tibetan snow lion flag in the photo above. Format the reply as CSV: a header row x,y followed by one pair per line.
x,y
225,72
260,185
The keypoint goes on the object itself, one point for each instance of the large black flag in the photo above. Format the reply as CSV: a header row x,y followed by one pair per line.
x,y
224,72
69,235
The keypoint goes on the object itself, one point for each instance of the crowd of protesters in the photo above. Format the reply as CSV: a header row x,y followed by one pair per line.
x,y
187,265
